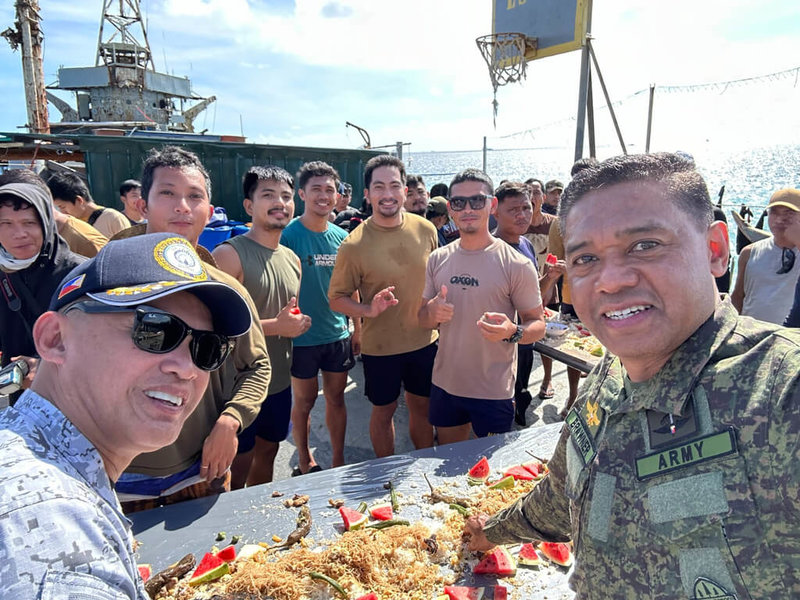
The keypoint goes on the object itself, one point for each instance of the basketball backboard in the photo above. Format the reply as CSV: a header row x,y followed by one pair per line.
x,y
559,25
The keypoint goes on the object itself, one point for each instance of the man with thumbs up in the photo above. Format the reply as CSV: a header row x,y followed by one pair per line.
x,y
474,290
271,274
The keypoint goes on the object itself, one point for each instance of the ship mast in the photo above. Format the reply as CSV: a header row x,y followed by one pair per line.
x,y
28,34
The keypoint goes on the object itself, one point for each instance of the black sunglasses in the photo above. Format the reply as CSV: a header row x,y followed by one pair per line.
x,y
476,202
159,332
787,261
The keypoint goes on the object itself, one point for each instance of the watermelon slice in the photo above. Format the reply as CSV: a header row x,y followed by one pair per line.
x,y
211,575
498,561
382,512
557,552
528,557
503,484
227,554
352,518
520,473
208,562
462,592
145,571
370,596
479,473
536,468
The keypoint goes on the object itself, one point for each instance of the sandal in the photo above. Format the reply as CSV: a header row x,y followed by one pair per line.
x,y
546,394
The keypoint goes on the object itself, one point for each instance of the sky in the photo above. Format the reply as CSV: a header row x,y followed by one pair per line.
x,y
294,71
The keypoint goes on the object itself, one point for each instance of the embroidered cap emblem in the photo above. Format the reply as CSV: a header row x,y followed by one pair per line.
x,y
178,257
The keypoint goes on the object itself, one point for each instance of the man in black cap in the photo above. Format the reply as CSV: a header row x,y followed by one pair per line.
x,y
33,259
126,350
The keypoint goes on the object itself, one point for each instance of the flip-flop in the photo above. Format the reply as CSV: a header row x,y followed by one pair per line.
x,y
296,472
546,394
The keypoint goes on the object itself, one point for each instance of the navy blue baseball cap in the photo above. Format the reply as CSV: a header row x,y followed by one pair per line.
x,y
131,271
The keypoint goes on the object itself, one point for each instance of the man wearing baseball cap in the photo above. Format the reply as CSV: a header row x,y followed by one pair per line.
x,y
552,196
768,271
126,350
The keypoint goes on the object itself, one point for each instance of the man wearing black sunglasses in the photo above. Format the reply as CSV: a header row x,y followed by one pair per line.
x,y
176,198
474,290
126,350
768,271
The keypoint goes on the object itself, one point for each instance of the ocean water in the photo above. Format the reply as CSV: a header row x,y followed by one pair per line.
x,y
750,177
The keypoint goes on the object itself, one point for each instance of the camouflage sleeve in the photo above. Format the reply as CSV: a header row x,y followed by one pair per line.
x,y
543,514
784,433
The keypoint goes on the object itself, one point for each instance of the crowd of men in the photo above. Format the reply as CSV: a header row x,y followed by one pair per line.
x,y
159,372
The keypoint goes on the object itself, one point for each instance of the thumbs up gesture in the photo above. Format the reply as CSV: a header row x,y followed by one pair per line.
x,y
439,308
290,321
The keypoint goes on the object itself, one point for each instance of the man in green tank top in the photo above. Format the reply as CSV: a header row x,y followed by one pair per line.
x,y
271,274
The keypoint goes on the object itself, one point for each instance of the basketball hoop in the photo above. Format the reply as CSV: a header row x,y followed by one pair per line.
x,y
504,54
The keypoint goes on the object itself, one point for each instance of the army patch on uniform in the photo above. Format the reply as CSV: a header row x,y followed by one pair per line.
x,y
581,436
693,452
178,257
705,589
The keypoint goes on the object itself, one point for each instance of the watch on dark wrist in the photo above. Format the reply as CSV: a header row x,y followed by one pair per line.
x,y
516,336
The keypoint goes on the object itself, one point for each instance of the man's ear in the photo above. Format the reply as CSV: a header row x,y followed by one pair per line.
x,y
48,336
141,205
248,206
210,214
718,248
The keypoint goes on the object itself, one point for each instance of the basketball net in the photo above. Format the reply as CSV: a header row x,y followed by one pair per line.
x,y
504,54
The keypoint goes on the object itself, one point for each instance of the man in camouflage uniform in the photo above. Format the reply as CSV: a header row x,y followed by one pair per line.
x,y
677,472
116,378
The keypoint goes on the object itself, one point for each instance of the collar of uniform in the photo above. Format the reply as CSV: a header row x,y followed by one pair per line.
x,y
61,435
669,390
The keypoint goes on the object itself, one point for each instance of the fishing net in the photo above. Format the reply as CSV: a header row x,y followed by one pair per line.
x,y
504,54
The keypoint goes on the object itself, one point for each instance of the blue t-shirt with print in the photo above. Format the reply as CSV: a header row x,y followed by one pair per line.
x,y
317,252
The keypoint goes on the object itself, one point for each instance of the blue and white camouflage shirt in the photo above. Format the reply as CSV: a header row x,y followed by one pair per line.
x,y
62,531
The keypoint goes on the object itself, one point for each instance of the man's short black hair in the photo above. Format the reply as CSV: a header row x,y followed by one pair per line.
x,y
511,189
684,185
317,168
67,187
265,173
128,185
472,175
439,189
414,180
173,157
581,164
383,160
24,176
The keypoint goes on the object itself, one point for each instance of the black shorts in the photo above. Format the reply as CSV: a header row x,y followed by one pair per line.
x,y
335,357
384,374
488,417
271,423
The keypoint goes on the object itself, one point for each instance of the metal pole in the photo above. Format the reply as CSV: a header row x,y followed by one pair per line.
x,y
584,86
399,146
484,154
590,118
650,118
608,99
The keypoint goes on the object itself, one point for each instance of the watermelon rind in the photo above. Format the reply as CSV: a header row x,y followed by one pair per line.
x,y
211,574
554,551
352,518
382,511
476,481
528,557
498,561
503,484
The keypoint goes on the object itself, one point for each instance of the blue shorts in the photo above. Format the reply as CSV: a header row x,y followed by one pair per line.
x,y
272,422
384,374
487,416
334,357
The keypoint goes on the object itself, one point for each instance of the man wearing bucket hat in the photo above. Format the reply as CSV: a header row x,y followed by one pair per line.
x,y
126,350
768,271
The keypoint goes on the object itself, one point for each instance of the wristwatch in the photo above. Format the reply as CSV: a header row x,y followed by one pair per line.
x,y
516,336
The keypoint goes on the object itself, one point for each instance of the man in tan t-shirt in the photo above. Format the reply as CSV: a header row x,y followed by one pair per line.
x,y
384,260
474,289
72,197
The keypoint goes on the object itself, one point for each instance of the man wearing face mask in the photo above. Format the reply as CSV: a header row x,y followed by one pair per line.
x,y
33,259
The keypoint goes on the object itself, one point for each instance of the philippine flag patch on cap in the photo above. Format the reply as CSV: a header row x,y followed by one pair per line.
x,y
71,285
